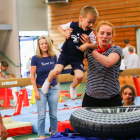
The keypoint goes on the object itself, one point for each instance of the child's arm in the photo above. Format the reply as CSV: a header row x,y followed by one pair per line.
x,y
4,76
87,44
66,33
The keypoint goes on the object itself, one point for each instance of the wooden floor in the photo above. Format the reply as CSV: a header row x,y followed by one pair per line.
x,y
63,86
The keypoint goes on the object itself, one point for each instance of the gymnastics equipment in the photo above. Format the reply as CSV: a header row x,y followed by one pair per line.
x,y
60,96
137,86
6,100
25,100
21,101
33,97
15,128
21,82
107,122
19,104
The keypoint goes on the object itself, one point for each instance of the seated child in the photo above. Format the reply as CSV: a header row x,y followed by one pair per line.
x,y
128,95
14,89
77,36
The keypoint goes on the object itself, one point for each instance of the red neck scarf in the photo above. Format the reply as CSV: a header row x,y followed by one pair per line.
x,y
131,52
99,50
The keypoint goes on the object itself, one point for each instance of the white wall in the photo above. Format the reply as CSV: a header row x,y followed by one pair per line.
x,y
31,15
9,42
24,15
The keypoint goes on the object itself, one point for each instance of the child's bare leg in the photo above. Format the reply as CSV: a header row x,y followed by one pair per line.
x,y
77,80
53,73
56,71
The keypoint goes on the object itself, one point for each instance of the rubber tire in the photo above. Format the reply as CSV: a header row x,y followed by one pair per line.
x,y
114,122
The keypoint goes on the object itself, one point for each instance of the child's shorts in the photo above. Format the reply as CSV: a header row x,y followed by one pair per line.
x,y
76,64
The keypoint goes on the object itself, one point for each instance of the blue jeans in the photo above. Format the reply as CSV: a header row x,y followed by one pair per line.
x,y
52,97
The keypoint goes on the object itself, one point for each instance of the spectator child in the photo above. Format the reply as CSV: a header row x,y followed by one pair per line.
x,y
128,95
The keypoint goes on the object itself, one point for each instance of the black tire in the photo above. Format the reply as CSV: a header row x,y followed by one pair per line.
x,y
113,122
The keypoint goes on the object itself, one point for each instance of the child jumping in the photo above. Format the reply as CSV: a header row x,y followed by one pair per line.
x,y
76,34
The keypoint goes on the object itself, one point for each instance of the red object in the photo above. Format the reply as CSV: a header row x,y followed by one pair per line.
x,y
19,131
6,100
63,91
25,100
19,103
99,50
62,125
2,93
137,86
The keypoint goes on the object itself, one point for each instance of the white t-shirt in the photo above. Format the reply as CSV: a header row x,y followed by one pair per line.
x,y
122,67
133,61
126,54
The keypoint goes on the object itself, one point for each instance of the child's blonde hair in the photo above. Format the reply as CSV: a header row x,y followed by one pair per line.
x,y
12,75
89,9
50,48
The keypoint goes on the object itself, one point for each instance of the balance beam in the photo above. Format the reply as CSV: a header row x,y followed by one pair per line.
x,y
130,72
15,82
21,82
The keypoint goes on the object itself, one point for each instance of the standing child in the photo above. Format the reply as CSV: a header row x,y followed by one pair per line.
x,y
128,95
74,47
14,89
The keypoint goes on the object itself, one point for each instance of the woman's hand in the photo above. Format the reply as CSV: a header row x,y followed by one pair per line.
x,y
37,95
85,38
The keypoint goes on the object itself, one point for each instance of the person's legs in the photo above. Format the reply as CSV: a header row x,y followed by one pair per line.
x,y
94,102
88,101
53,98
41,109
77,80
53,73
78,68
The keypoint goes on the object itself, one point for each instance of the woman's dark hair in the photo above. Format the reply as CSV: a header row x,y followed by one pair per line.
x,y
4,63
130,87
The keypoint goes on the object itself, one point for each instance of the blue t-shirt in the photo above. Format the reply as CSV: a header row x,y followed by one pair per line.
x,y
44,66
71,46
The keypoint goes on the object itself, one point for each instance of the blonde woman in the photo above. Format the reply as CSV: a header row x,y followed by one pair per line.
x,y
41,64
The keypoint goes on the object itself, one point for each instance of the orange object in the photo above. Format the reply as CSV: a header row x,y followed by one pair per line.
x,y
137,86
6,100
63,91
62,125
19,103
68,94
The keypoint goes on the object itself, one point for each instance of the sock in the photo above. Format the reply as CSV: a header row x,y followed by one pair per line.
x,y
45,87
73,93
